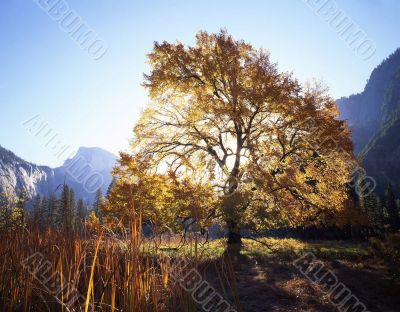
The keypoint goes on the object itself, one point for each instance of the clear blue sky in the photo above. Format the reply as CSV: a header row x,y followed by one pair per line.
x,y
96,103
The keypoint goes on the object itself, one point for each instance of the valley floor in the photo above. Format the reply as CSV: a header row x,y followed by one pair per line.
x,y
267,280
113,274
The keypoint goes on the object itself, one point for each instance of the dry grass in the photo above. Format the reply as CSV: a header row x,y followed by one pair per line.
x,y
105,273
111,273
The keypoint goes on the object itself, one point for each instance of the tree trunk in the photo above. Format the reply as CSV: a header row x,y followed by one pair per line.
x,y
234,243
234,236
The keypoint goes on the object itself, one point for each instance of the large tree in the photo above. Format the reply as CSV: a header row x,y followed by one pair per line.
x,y
222,112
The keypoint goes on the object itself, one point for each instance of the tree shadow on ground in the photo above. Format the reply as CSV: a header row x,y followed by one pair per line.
x,y
274,284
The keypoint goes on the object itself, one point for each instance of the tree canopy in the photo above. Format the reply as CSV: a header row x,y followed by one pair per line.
x,y
222,114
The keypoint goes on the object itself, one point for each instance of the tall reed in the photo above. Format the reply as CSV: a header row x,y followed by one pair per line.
x,y
56,270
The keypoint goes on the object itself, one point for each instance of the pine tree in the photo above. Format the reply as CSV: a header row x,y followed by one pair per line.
x,y
4,211
371,206
72,209
112,184
97,204
392,209
65,208
44,213
37,210
375,211
53,213
81,212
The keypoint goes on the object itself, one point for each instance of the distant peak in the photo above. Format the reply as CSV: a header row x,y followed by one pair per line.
x,y
96,155
85,149
94,149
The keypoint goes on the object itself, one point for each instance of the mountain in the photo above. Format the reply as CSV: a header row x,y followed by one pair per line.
x,y
374,117
87,171
18,174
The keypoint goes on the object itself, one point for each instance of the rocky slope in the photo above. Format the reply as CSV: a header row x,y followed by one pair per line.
x,y
87,171
374,116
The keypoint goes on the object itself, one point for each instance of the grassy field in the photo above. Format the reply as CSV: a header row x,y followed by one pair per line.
x,y
134,273
267,248
265,279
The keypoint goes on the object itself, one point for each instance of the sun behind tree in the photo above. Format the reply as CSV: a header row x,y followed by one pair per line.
x,y
223,115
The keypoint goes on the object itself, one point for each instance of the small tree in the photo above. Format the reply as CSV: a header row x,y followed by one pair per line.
x,y
161,198
18,214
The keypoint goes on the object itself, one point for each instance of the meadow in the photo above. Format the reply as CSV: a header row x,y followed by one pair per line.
x,y
52,271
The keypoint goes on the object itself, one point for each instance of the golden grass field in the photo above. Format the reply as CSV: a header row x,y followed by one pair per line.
x,y
132,273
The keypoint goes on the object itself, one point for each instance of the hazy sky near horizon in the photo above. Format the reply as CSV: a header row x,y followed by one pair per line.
x,y
87,102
